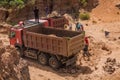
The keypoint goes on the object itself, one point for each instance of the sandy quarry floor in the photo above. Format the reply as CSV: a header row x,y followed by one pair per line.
x,y
105,17
106,11
89,70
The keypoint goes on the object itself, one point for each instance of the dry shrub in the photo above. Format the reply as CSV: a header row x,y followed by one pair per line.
x,y
84,16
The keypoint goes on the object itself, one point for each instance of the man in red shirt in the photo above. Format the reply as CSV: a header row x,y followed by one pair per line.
x,y
86,53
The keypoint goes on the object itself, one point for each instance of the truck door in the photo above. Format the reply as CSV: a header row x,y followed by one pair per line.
x,y
16,36
12,37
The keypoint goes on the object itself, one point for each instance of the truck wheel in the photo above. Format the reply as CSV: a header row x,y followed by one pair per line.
x,y
54,63
43,59
20,52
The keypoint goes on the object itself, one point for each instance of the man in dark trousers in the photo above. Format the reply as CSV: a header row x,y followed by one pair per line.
x,y
36,14
47,10
51,6
86,52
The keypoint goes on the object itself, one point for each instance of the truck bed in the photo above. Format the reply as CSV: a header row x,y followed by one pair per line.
x,y
57,22
53,41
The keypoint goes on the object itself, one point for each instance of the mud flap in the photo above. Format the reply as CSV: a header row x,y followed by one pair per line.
x,y
71,61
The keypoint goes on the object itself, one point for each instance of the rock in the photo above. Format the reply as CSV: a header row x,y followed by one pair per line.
x,y
3,14
110,65
118,5
118,65
2,50
118,37
105,47
73,71
109,52
96,68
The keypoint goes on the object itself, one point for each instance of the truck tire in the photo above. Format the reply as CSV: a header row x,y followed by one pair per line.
x,y
54,63
20,52
43,59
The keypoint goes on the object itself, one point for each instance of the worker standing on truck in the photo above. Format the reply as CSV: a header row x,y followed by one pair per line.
x,y
21,24
47,10
36,14
86,52
51,6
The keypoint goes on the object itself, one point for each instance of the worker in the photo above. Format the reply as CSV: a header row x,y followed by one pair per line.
x,y
21,23
51,6
86,52
36,14
47,10
106,34
6,14
79,26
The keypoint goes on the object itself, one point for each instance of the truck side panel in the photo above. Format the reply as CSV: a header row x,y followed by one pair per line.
x,y
75,44
53,41
46,43
58,22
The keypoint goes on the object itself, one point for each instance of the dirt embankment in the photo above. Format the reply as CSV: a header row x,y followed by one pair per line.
x,y
12,67
3,14
106,11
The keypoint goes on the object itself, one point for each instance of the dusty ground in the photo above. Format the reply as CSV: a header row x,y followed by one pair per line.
x,y
105,17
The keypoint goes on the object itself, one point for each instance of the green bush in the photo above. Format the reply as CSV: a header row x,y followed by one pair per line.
x,y
15,3
83,2
12,3
84,16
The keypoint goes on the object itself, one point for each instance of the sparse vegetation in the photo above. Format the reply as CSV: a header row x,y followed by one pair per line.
x,y
15,4
94,22
84,16
83,2
12,3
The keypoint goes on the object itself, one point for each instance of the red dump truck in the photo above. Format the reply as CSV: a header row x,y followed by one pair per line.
x,y
50,46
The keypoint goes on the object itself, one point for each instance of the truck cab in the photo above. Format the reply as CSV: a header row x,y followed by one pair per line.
x,y
16,32
15,36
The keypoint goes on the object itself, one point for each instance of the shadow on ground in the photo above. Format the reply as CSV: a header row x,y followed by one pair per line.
x,y
73,71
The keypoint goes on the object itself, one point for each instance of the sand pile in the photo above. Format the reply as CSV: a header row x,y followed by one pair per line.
x,y
12,67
